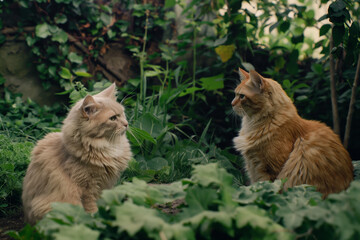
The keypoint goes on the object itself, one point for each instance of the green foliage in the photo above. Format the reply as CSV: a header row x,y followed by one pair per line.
x,y
211,208
27,120
14,159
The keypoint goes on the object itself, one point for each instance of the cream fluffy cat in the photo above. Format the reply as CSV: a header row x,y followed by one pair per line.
x,y
76,164
277,143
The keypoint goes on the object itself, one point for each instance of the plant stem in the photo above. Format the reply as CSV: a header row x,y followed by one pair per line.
x,y
351,105
335,112
142,61
194,58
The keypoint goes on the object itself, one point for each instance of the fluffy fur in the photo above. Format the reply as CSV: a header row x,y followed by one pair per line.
x,y
76,164
277,143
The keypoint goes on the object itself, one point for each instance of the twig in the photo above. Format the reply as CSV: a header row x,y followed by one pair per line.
x,y
335,112
305,234
100,60
351,105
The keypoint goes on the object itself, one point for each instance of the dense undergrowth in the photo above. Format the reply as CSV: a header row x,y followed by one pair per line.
x,y
181,122
211,208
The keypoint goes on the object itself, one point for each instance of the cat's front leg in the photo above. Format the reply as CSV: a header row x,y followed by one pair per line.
x,y
89,203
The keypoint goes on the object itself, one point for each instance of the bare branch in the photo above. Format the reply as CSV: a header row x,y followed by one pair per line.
x,y
100,60
351,105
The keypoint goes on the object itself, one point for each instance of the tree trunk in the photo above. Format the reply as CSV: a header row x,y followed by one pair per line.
x,y
335,112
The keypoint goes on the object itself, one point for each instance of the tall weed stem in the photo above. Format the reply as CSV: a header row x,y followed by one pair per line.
x,y
143,60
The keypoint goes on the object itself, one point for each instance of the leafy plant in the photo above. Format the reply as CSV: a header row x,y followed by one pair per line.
x,y
14,159
209,206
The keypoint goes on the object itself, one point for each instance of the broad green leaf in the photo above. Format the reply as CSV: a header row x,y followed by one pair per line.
x,y
30,41
200,199
65,73
213,83
324,29
76,232
60,18
151,124
75,58
178,232
132,219
60,36
157,163
203,221
42,30
284,26
219,42
206,175
137,136
105,18
257,219
169,3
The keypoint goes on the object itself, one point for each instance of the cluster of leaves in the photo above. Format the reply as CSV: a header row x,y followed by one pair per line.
x,y
53,22
14,159
206,206
27,120
163,152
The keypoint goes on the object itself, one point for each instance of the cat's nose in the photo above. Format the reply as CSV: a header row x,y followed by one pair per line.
x,y
234,101
126,124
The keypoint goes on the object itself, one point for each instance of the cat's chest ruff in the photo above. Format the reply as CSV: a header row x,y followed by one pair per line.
x,y
102,153
253,139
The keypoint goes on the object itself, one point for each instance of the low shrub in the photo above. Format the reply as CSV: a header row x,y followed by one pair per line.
x,y
14,159
206,206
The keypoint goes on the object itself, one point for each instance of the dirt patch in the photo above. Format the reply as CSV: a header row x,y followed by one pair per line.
x,y
171,208
15,222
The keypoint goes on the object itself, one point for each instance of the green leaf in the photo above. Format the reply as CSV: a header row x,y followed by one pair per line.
x,y
157,163
73,57
324,29
60,36
284,26
200,199
206,175
65,73
42,30
105,18
137,135
132,218
76,232
257,219
60,18
169,3
83,74
213,83
204,220
338,34
30,41
189,91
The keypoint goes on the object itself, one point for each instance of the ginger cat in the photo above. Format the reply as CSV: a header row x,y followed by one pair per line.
x,y
76,164
277,143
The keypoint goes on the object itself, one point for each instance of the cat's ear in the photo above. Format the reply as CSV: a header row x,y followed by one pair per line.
x,y
257,80
89,106
109,92
243,74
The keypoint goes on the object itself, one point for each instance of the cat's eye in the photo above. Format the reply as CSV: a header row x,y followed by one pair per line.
x,y
241,96
113,118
